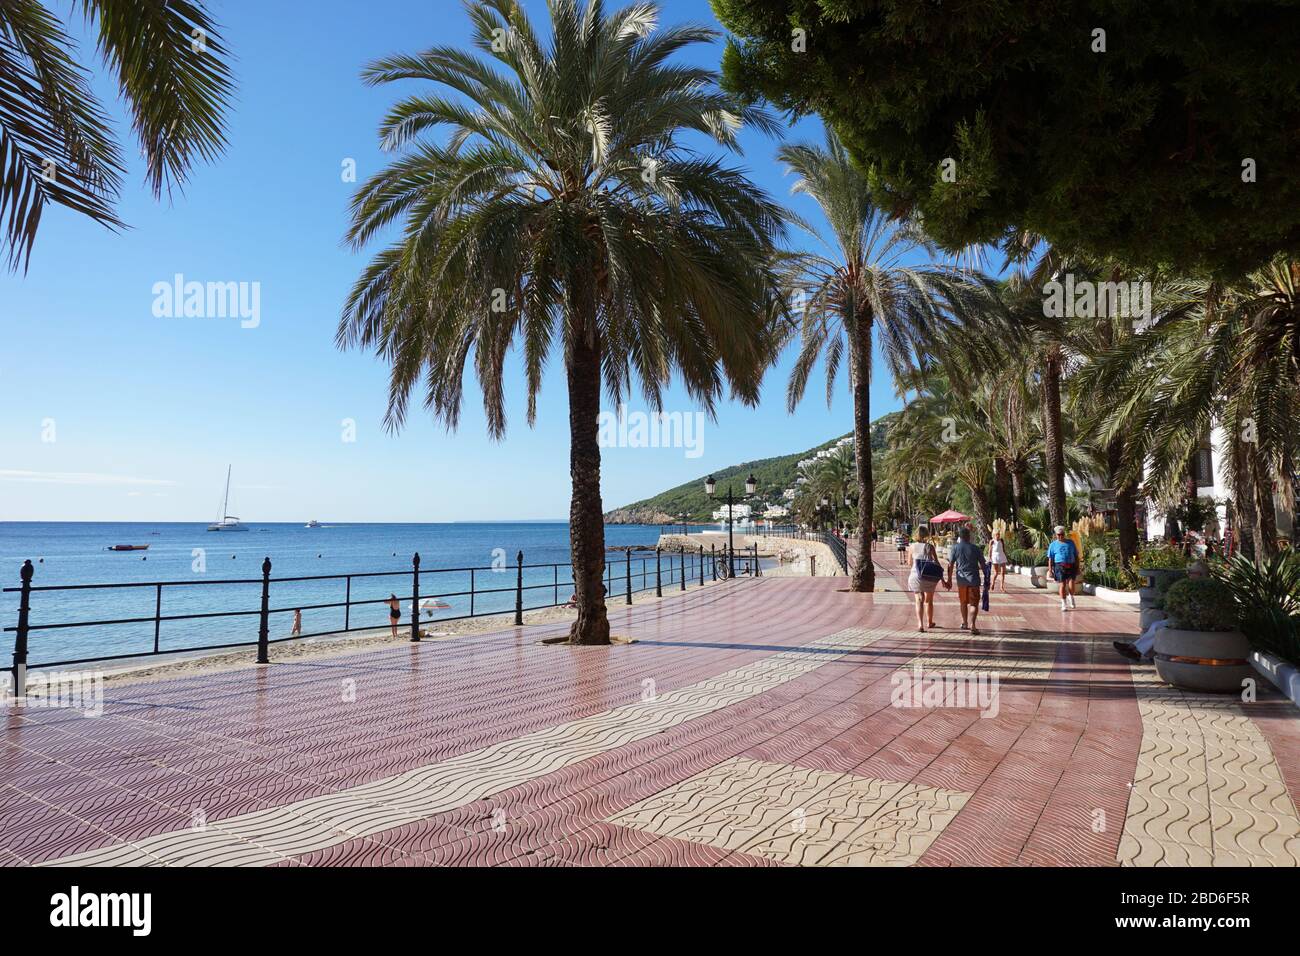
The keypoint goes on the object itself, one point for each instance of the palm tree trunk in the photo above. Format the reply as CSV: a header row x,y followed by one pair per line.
x,y
1285,500
1017,497
1054,446
1243,497
1001,489
1125,502
980,503
586,514
864,572
1265,512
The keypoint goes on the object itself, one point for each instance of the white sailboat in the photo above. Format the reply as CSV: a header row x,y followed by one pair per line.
x,y
227,522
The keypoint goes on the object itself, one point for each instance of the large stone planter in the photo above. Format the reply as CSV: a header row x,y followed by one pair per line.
x,y
1038,577
1284,675
1212,661
1148,617
1115,596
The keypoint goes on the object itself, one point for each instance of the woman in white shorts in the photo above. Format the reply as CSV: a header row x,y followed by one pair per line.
x,y
922,551
998,558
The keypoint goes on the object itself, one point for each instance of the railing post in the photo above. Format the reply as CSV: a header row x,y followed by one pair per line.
x,y
20,639
157,618
415,598
713,560
682,557
264,628
812,565
519,588
471,592
701,565
659,584
347,605
628,570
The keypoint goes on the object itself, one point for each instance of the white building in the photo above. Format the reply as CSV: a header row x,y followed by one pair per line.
x,y
776,511
740,512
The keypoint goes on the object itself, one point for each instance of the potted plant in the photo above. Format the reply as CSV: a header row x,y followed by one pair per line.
x,y
1202,649
1268,607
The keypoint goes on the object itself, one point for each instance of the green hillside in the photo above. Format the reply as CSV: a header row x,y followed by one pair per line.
x,y
773,476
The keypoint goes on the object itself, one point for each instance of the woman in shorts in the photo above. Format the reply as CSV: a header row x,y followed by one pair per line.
x,y
998,558
923,551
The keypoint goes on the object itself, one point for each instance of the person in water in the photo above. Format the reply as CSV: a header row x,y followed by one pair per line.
x,y
394,612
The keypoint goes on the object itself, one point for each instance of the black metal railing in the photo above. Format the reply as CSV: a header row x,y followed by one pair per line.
x,y
627,572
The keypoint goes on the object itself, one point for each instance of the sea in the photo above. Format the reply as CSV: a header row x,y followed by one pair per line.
x,y
205,572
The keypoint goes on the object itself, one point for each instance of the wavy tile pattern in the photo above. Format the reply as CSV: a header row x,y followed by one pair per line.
x,y
1208,789
799,816
269,836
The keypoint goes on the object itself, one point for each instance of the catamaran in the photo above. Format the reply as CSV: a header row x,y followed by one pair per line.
x,y
227,522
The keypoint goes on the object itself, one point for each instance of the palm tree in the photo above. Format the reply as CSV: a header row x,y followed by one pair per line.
x,y
564,214
858,289
55,141
1227,354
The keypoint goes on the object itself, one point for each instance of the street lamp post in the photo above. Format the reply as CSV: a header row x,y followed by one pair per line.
x,y
710,485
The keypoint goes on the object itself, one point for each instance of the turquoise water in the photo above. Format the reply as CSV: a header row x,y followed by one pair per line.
x,y
199,563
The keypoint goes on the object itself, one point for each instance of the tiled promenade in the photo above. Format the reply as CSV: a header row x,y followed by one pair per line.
x,y
750,724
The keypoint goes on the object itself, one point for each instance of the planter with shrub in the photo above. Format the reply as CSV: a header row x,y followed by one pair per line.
x,y
1268,606
1202,649
1118,587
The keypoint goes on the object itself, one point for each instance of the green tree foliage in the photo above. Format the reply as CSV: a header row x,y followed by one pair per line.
x,y
564,213
1134,153
56,143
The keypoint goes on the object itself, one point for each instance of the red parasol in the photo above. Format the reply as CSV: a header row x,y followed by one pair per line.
x,y
949,517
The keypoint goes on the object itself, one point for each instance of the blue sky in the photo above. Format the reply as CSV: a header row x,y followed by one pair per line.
x,y
145,413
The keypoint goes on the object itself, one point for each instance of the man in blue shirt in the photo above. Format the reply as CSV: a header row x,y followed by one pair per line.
x,y
968,560
1063,565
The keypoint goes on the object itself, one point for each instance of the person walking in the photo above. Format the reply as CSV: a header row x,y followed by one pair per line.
x,y
998,558
900,542
1063,566
297,623
925,577
967,560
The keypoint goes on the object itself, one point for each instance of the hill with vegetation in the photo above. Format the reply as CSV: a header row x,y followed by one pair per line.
x,y
772,475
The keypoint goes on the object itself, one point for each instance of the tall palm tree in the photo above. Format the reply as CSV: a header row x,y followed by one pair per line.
x,y
564,214
55,141
858,289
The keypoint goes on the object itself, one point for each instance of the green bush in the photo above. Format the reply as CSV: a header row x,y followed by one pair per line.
x,y
1118,580
1160,557
1201,604
1268,602
1163,584
1027,557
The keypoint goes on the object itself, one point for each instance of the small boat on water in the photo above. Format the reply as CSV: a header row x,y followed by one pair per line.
x,y
227,521
313,523
128,547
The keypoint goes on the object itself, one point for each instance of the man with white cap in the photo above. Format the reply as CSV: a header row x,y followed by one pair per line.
x,y
1063,566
